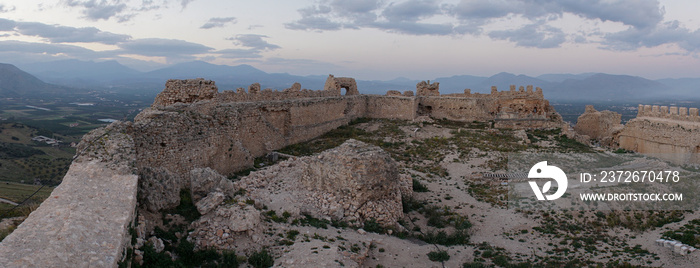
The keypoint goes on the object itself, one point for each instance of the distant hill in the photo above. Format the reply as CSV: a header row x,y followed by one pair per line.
x,y
558,78
608,87
565,87
17,83
80,73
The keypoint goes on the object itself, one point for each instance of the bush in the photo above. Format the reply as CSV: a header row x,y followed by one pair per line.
x,y
439,256
419,187
373,226
261,259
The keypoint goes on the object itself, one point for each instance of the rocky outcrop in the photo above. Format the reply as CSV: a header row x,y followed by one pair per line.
x,y
227,226
353,182
600,126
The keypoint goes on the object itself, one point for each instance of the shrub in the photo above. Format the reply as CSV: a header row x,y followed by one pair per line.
x,y
439,256
261,259
419,187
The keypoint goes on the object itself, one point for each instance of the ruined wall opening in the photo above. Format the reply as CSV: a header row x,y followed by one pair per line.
x,y
424,110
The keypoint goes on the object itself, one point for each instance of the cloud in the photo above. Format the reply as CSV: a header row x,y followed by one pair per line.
x,y
157,47
121,10
254,41
99,9
636,13
532,35
239,53
7,25
412,10
184,3
65,34
644,20
664,33
51,50
218,22
5,9
62,34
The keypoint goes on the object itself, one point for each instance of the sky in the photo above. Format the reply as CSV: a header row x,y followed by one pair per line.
x,y
365,39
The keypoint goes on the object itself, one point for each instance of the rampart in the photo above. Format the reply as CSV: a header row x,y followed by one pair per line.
x,y
672,133
671,113
191,125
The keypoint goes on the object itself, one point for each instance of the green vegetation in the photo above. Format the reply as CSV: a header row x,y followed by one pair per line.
x,y
186,208
440,256
688,234
261,259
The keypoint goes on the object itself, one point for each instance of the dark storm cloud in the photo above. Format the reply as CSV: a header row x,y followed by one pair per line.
x,y
644,18
218,22
254,41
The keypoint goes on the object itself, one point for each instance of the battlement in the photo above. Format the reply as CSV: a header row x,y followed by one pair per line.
x,y
666,112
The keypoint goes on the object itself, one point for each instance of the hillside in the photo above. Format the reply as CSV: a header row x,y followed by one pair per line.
x,y
17,83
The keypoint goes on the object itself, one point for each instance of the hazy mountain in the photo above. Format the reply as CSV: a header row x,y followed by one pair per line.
x,y
683,86
558,78
17,83
586,86
457,83
608,87
196,69
504,80
80,73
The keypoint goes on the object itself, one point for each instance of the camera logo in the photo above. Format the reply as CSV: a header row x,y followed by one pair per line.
x,y
542,170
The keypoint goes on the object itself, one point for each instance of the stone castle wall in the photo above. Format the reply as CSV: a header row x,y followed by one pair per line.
x,y
666,112
666,132
190,125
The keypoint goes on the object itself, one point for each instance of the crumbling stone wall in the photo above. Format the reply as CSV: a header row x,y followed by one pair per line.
x,y
508,109
391,107
186,91
600,126
664,132
424,88
336,84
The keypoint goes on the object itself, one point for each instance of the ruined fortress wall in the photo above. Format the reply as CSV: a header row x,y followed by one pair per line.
x,y
458,109
391,107
191,125
664,132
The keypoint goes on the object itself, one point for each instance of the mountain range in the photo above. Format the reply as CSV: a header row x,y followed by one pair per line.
x,y
113,75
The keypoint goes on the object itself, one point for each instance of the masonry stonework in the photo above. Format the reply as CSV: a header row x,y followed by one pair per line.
x,y
192,126
667,132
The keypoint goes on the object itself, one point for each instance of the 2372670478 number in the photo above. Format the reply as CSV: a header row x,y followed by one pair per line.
x,y
639,176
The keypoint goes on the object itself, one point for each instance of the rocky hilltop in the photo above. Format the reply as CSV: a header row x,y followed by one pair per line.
x,y
183,148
